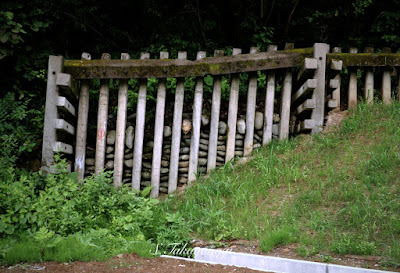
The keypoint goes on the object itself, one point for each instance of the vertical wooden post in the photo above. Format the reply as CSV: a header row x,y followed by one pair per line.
x,y
176,130
285,102
336,92
81,131
369,81
386,82
250,110
285,106
269,103
55,67
352,92
215,109
102,117
139,130
158,134
121,126
318,114
232,113
196,124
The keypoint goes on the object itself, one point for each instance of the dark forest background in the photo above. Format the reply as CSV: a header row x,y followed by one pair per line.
x,y
32,30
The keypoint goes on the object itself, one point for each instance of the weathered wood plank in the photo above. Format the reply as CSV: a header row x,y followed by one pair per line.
x,y
285,106
139,130
335,67
334,83
307,67
369,81
386,82
61,124
158,134
305,106
332,104
304,91
250,110
232,113
318,114
62,147
367,59
55,67
269,103
68,84
65,106
352,90
307,124
102,117
215,111
196,124
120,128
81,128
81,69
176,130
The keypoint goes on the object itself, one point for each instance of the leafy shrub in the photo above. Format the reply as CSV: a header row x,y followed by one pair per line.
x,y
16,123
32,202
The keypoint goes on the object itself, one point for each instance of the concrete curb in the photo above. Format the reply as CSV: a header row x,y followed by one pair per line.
x,y
275,264
207,262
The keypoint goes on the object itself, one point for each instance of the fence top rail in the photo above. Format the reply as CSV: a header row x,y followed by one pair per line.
x,y
366,59
173,68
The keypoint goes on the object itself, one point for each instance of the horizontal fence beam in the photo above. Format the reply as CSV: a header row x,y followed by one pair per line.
x,y
171,68
366,59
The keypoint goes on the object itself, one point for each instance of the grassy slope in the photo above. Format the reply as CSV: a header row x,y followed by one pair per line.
x,y
338,191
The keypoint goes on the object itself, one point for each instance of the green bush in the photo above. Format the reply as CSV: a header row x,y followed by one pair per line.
x,y
16,123
58,205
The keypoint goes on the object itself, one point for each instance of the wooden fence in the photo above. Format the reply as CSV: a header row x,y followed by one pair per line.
x,y
302,85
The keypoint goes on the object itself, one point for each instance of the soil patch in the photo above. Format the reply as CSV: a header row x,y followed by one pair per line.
x,y
126,263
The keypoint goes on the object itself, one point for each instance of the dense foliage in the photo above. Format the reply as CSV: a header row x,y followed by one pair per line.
x,y
48,209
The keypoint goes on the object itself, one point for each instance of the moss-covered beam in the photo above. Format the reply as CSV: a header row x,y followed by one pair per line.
x,y
119,69
366,59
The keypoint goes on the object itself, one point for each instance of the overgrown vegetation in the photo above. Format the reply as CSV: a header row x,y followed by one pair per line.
x,y
53,217
338,192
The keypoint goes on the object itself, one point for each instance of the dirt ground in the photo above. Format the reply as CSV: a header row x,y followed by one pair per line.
x,y
126,263
134,263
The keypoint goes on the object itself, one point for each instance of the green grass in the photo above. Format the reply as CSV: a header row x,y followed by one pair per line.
x,y
94,245
336,192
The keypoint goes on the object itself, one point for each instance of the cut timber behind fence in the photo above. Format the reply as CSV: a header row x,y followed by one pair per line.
x,y
301,87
